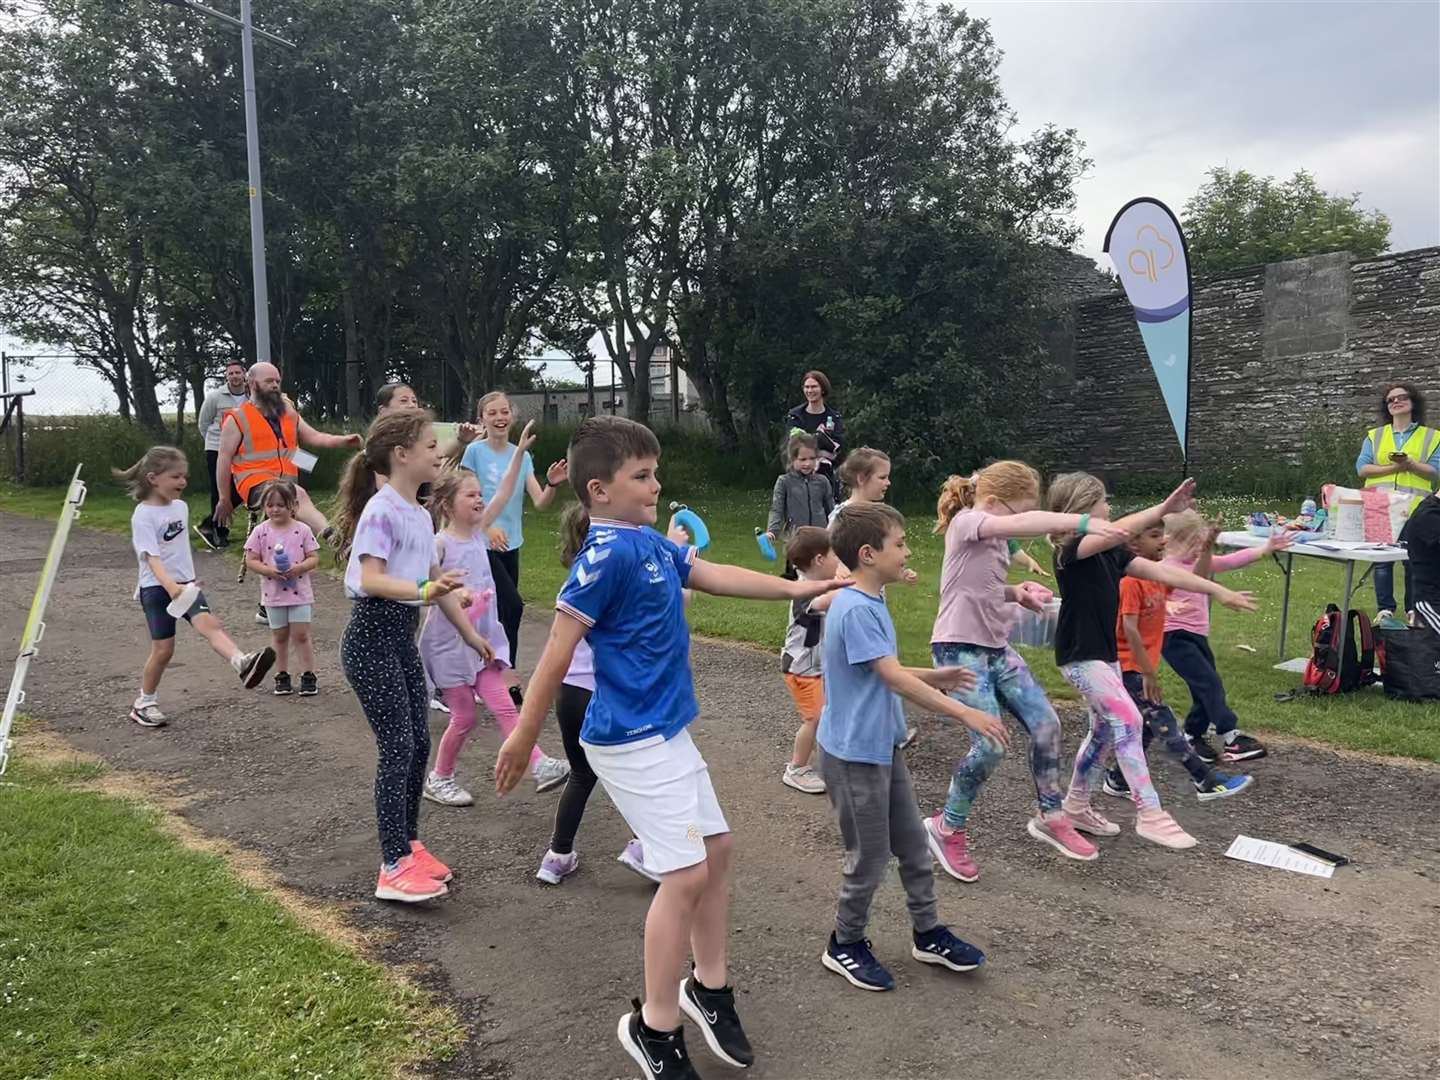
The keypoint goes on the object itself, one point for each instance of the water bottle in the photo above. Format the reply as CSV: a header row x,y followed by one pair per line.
x,y
766,548
1307,508
282,563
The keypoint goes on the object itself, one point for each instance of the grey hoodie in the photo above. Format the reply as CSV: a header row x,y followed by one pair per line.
x,y
799,500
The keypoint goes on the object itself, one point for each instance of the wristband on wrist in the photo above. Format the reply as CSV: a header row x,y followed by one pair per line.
x,y
420,584
1084,526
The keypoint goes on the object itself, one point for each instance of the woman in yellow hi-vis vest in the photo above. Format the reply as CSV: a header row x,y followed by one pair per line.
x,y
1403,454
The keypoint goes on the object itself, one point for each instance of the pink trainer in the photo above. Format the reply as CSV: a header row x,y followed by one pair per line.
x,y
952,851
1057,831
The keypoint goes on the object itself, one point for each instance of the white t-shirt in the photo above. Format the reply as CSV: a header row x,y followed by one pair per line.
x,y
582,667
162,531
397,531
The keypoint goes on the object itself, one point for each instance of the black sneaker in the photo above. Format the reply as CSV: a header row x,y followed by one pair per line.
x,y
940,946
857,965
282,684
713,1011
255,666
658,1053
308,688
1243,748
1115,784
1203,750
261,619
205,530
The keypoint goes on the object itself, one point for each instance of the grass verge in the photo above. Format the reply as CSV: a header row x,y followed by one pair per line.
x,y
127,955
1364,721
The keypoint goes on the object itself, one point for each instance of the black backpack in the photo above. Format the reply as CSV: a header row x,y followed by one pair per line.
x,y
1330,673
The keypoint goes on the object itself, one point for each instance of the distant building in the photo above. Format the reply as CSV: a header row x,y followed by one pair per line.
x,y
568,407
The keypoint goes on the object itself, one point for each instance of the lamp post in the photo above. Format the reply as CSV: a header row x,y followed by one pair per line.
x,y
252,154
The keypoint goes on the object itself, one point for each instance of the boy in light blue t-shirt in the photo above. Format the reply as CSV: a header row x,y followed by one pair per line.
x,y
861,731
624,597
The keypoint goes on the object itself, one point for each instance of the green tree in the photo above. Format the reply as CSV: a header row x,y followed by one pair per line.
x,y
1239,219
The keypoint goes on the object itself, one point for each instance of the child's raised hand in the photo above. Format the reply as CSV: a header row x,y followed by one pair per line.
x,y
991,727
908,576
1033,595
1280,541
808,589
511,764
676,533
1182,498
953,678
558,473
447,583
1108,529
527,437
468,433
1237,601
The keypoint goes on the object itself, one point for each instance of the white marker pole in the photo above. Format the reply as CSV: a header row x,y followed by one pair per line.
x,y
35,624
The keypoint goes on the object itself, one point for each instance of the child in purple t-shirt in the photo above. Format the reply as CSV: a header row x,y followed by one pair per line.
x,y
287,595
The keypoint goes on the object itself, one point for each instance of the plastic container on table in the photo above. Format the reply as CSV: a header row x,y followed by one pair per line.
x,y
1036,628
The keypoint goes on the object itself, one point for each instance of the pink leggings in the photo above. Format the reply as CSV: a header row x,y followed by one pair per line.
x,y
460,700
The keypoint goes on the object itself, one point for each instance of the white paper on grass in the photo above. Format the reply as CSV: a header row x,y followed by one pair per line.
x,y
1268,853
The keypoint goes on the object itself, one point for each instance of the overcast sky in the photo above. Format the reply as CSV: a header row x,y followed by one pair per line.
x,y
1160,92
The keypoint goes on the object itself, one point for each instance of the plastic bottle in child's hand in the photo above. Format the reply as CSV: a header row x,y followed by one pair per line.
x,y
766,548
480,605
282,563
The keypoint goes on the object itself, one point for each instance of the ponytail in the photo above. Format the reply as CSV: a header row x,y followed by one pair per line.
x,y
957,494
574,527
157,459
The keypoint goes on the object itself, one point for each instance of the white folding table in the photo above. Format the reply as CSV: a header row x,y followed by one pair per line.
x,y
1348,552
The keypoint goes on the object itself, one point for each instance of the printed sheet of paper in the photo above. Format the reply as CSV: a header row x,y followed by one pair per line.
x,y
1268,853
304,460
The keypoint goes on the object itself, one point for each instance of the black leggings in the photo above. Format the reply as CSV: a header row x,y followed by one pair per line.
x,y
570,708
505,569
383,667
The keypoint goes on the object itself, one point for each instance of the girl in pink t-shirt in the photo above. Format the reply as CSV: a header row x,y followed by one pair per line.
x,y
1190,542
459,673
287,595
979,515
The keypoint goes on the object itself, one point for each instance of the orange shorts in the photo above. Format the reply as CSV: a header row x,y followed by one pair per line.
x,y
808,692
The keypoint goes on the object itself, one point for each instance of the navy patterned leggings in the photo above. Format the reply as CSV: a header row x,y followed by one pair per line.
x,y
383,667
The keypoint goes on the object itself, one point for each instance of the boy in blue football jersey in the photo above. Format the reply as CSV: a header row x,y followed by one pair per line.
x,y
623,596
862,729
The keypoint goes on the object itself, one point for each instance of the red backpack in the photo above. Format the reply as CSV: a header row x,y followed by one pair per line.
x,y
1330,673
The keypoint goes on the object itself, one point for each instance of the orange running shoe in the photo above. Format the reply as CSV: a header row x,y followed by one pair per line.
x,y
408,883
429,863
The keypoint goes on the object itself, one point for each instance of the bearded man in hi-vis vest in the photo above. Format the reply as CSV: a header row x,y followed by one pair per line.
x,y
258,442
1402,454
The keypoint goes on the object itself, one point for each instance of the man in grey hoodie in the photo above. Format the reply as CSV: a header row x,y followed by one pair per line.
x,y
230,395
801,496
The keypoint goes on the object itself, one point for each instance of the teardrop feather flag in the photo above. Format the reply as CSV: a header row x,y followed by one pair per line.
x,y
1148,249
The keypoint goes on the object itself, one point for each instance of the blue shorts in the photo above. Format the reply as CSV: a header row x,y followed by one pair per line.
x,y
281,617
154,600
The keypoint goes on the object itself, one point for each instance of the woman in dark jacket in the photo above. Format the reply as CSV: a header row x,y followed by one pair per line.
x,y
816,418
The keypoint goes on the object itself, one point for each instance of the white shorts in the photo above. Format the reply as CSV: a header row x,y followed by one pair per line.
x,y
662,789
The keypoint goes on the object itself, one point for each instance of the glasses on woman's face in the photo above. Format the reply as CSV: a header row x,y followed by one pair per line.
x,y
1396,398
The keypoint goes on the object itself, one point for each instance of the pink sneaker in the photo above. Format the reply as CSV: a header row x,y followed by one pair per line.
x,y
1159,827
1057,831
1089,820
408,883
952,852
429,863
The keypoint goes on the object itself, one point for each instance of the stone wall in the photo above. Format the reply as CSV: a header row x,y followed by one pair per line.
x,y
1277,349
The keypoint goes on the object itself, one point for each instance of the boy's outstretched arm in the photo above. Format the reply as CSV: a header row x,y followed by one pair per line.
x,y
920,693
722,579
566,632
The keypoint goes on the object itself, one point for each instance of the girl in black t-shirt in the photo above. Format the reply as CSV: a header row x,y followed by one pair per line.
x,y
1088,569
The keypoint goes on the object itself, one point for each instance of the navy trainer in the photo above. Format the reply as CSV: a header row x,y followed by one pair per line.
x,y
940,946
857,964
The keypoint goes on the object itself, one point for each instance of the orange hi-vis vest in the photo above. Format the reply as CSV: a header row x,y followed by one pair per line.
x,y
261,456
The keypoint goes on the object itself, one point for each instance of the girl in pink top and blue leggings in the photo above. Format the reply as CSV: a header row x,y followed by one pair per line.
x,y
1189,543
